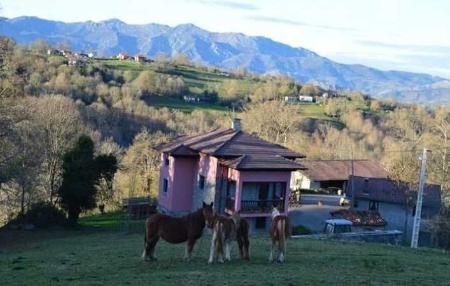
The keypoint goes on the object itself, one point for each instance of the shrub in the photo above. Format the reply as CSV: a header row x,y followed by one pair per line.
x,y
300,229
42,214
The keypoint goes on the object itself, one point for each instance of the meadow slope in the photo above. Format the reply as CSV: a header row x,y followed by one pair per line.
x,y
113,258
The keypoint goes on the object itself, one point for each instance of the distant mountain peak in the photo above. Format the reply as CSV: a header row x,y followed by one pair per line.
x,y
227,51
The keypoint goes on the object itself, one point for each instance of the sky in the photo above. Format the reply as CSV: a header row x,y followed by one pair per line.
x,y
410,35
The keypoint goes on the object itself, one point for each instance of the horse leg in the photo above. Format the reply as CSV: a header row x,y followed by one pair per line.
x,y
188,251
281,251
271,250
246,248
227,250
212,249
152,247
241,246
220,247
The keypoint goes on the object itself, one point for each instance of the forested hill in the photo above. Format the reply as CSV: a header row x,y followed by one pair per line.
x,y
48,101
229,51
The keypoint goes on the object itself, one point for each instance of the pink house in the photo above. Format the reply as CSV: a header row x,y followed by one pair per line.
x,y
235,170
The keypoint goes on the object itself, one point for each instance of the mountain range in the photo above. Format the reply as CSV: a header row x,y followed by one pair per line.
x,y
229,51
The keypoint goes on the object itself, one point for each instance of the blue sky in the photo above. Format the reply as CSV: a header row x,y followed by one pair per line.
x,y
411,35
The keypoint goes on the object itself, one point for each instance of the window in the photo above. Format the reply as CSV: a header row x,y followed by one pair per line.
x,y
201,182
366,186
260,223
165,185
166,161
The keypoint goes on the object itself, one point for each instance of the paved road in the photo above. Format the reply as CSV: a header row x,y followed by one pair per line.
x,y
330,200
312,215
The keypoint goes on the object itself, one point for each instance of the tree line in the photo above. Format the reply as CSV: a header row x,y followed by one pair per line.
x,y
46,105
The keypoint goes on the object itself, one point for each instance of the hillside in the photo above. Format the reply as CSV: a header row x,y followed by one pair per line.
x,y
229,51
88,257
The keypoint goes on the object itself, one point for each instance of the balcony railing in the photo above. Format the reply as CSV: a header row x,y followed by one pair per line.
x,y
255,206
261,206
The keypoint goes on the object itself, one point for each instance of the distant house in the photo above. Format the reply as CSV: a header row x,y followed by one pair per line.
x,y
83,56
389,199
290,99
235,170
91,55
122,56
65,53
72,61
53,52
191,99
305,98
321,174
140,58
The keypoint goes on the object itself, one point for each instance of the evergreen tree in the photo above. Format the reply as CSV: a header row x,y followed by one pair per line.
x,y
81,173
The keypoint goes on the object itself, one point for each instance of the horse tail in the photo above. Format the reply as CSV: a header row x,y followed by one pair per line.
x,y
144,253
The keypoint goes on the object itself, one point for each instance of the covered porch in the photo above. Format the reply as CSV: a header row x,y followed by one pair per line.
x,y
257,197
253,192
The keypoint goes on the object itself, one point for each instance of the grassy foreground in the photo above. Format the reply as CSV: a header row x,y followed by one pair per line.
x,y
113,258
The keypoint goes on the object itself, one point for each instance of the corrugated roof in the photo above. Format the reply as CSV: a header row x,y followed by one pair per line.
x,y
340,170
227,143
261,162
386,190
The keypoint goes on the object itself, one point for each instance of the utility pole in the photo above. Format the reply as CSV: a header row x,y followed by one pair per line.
x,y
418,214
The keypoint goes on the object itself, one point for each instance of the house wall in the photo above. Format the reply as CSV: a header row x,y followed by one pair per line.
x,y
301,181
207,166
183,185
394,215
166,172
180,175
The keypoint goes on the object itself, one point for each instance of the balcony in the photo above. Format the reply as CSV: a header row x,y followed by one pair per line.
x,y
255,206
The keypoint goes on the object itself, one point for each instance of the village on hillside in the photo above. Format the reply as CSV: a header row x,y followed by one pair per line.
x,y
145,154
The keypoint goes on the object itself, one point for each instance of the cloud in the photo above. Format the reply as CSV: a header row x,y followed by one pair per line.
x,y
430,50
230,4
285,21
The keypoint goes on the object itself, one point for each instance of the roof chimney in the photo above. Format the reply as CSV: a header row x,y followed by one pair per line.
x,y
236,124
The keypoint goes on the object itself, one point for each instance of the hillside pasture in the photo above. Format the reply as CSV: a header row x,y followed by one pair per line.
x,y
93,257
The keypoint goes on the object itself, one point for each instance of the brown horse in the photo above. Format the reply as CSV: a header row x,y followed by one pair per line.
x,y
226,229
279,232
188,229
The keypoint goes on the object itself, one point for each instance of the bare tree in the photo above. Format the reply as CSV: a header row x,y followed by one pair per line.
x,y
60,122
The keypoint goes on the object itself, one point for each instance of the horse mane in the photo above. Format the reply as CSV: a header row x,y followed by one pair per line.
x,y
193,215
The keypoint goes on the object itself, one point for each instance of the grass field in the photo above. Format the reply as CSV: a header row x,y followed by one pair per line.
x,y
91,257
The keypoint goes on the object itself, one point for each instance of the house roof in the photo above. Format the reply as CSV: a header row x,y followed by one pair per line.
x,y
340,170
386,190
261,162
224,142
237,149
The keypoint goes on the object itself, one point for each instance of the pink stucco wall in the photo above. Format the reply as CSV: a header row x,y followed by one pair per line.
x,y
180,174
165,172
183,185
208,167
